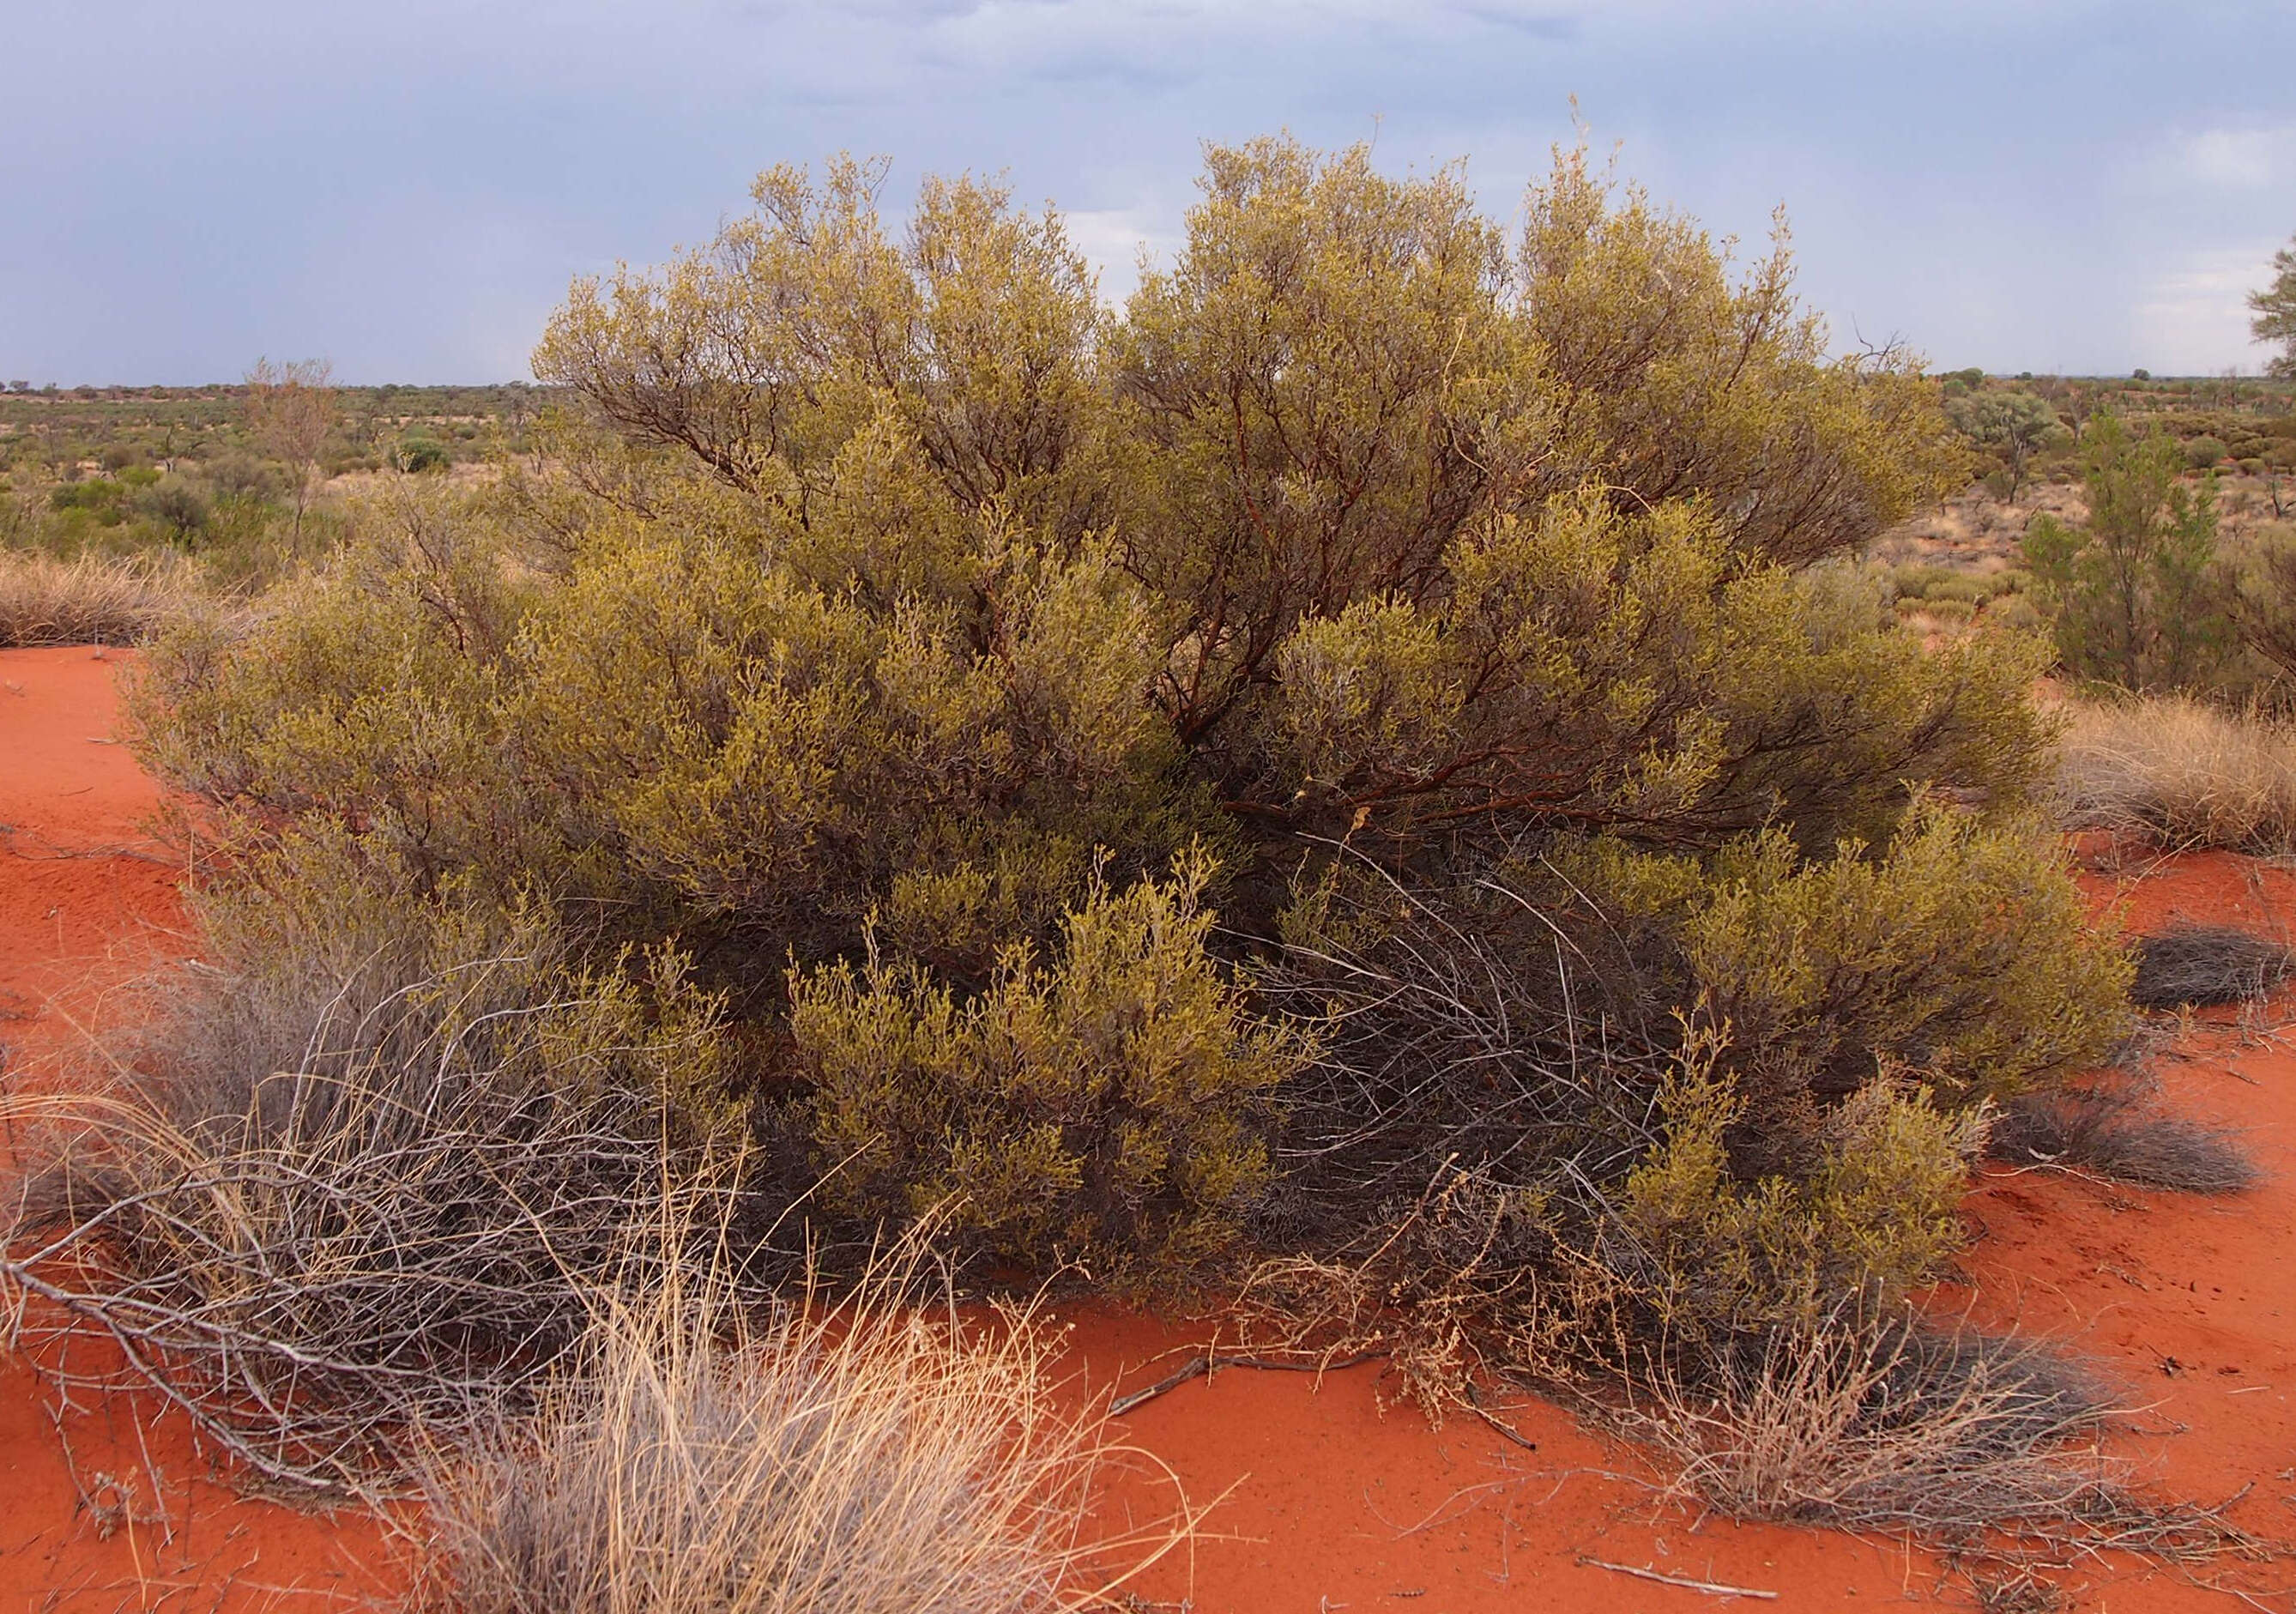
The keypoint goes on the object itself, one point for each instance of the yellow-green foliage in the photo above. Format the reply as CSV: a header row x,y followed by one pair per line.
x,y
1638,671
366,692
780,753
1875,1213
1962,952
1666,377
1106,1106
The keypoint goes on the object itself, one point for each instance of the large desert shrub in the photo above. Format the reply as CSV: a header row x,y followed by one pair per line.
x,y
897,614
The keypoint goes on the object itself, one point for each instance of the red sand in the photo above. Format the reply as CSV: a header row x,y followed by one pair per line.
x,y
1327,1502
86,897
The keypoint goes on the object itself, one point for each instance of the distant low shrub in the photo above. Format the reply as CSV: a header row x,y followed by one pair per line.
x,y
1879,1205
417,454
1959,954
2201,453
355,1180
2133,594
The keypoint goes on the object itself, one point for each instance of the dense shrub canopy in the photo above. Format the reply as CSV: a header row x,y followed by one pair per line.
x,y
1044,719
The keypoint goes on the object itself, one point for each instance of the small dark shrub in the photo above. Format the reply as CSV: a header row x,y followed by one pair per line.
x,y
2109,1125
2201,964
178,504
417,454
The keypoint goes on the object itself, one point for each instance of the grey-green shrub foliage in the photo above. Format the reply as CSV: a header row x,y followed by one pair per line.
x,y
897,613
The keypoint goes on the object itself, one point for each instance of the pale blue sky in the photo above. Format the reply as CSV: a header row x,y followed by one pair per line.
x,y
406,189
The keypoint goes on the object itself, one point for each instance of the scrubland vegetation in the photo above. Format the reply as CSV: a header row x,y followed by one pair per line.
x,y
219,482
1384,777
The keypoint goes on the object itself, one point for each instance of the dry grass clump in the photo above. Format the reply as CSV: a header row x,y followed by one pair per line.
x,y
1882,1424
2204,964
861,1459
86,601
2108,1126
329,1205
2186,774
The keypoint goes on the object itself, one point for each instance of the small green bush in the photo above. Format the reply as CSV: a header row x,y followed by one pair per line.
x,y
1961,955
2134,595
418,454
362,1176
1107,1108
2201,453
1875,1214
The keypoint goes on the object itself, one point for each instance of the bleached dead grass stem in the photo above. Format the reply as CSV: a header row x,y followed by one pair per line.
x,y
860,1456
1883,1426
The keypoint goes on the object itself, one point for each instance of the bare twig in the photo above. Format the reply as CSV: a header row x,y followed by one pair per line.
x,y
1712,1588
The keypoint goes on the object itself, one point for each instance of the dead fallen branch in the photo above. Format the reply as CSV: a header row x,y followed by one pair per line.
x,y
1712,1588
1200,1367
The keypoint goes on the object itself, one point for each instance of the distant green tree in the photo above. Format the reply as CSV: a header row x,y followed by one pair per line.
x,y
2132,591
2275,312
2011,425
290,409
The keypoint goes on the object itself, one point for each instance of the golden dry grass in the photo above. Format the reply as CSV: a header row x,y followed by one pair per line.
x,y
87,600
864,1458
2181,773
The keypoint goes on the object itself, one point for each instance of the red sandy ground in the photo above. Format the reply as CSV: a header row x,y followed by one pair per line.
x,y
1328,1501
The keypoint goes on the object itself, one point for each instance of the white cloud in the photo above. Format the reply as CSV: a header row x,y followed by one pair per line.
x,y
2233,160
1112,239
2193,320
